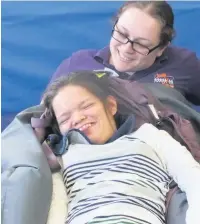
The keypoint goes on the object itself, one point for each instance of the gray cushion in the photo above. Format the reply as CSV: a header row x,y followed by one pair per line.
x,y
177,208
26,176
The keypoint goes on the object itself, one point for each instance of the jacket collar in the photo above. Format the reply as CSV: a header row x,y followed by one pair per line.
x,y
125,124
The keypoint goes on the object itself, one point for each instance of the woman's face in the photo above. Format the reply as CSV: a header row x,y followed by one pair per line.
x,y
75,107
143,29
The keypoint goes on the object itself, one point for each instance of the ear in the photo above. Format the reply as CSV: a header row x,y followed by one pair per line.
x,y
161,50
112,105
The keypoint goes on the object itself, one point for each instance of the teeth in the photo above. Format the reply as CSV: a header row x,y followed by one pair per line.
x,y
85,126
124,58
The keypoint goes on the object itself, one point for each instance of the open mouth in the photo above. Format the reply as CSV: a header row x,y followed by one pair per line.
x,y
85,127
124,58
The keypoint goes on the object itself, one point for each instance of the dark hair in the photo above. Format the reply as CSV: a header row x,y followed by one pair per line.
x,y
96,82
159,10
101,84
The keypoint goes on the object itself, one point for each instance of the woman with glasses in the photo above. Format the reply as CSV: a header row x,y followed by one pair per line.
x,y
140,50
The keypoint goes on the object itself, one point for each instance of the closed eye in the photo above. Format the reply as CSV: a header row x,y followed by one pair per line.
x,y
63,121
126,35
141,45
87,106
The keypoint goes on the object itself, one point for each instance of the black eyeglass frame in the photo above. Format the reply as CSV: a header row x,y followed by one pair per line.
x,y
132,43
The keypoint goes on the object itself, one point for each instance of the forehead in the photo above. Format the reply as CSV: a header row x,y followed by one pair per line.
x,y
140,24
70,96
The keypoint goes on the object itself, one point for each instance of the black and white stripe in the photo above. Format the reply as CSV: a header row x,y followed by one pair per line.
x,y
131,180
133,164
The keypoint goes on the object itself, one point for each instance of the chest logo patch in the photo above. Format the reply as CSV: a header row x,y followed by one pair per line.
x,y
164,79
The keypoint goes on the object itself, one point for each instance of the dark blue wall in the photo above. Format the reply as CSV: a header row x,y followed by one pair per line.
x,y
37,36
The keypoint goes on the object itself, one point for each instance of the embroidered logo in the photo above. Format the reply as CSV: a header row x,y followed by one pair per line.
x,y
100,74
164,80
112,72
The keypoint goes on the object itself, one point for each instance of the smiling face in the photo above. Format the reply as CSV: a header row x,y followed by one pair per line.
x,y
75,107
139,26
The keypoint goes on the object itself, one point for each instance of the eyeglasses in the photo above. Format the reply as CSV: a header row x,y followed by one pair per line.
x,y
139,48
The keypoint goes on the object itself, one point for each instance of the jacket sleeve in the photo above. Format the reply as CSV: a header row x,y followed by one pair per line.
x,y
180,165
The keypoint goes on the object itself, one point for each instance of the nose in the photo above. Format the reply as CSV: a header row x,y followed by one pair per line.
x,y
77,118
127,48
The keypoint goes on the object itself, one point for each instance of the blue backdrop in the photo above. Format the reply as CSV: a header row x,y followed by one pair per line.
x,y
37,36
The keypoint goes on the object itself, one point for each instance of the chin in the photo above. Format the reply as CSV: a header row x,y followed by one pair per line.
x,y
96,141
121,68
91,138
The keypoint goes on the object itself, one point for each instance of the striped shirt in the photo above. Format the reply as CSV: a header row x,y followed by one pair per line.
x,y
124,181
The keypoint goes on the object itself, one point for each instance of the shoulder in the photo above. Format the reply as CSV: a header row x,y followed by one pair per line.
x,y
183,56
183,69
81,54
85,59
80,60
85,52
93,53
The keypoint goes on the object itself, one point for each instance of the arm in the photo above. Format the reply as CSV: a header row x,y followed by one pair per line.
x,y
180,164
